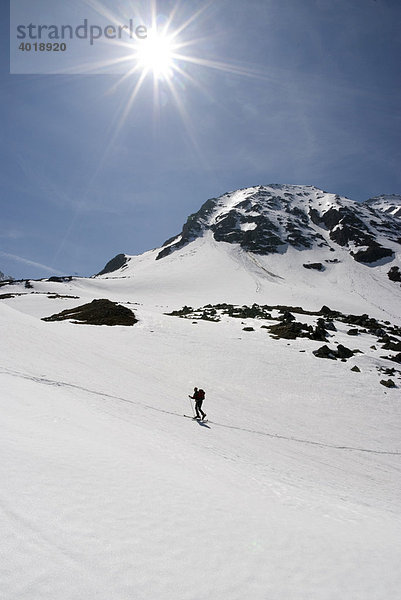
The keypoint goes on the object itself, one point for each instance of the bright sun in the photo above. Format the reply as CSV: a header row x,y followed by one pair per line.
x,y
156,55
169,55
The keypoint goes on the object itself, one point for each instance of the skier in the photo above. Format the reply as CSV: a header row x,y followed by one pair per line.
x,y
198,396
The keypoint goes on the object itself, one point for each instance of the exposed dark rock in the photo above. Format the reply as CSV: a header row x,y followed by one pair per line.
x,y
356,369
387,371
389,383
316,266
362,321
289,328
248,329
261,240
97,312
394,274
209,316
325,352
345,225
318,332
315,217
344,352
191,230
56,279
183,312
395,346
329,325
297,212
341,352
325,310
289,331
331,218
296,237
286,317
373,253
118,262
56,296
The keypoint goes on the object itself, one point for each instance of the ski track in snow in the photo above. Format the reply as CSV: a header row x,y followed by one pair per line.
x,y
51,382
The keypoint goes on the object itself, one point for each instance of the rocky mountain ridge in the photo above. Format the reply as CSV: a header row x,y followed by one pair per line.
x,y
390,204
269,219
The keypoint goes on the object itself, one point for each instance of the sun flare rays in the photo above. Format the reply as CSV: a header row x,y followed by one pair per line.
x,y
172,56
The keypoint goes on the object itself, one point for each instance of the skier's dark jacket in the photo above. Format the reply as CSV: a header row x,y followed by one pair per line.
x,y
199,395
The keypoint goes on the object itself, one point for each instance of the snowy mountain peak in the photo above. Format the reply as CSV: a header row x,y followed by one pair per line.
x,y
5,277
270,219
284,244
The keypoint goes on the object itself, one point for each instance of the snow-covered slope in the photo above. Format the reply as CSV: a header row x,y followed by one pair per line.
x,y
390,204
290,490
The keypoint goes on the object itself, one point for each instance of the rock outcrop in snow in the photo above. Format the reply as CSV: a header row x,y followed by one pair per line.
x,y
116,263
98,312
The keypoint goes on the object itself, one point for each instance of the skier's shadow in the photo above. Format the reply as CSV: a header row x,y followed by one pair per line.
x,y
203,424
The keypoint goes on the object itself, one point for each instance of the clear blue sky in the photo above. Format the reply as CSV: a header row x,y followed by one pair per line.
x,y
323,108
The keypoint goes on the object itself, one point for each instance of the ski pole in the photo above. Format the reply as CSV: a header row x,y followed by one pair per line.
x,y
191,405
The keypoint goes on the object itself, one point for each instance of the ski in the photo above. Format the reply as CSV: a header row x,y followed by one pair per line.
x,y
195,419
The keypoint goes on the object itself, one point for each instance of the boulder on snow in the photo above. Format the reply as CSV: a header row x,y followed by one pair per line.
x,y
286,317
288,330
341,352
344,352
389,383
394,274
325,352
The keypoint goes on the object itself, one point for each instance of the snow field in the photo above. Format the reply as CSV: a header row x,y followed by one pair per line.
x,y
291,490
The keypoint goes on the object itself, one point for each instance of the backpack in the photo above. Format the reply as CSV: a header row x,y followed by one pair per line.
x,y
201,394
